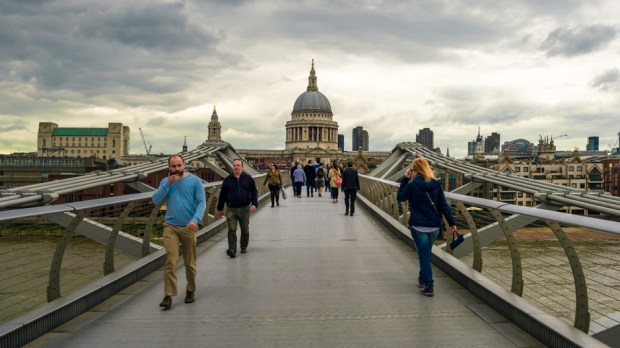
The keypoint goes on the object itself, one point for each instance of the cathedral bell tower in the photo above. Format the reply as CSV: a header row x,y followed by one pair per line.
x,y
215,128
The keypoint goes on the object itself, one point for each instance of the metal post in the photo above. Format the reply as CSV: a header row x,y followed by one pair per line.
x,y
108,264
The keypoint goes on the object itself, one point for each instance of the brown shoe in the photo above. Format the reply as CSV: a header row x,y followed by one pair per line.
x,y
189,297
166,302
244,250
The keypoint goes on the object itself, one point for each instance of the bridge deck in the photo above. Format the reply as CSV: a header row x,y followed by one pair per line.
x,y
311,277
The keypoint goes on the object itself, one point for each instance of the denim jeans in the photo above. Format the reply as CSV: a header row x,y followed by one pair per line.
x,y
423,243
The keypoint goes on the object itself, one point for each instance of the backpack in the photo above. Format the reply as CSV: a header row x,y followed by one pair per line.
x,y
320,173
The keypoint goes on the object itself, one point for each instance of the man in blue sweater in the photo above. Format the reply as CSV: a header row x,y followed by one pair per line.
x,y
185,205
241,198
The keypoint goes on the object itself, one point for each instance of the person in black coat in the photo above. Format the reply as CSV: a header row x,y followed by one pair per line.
x,y
350,186
310,179
240,196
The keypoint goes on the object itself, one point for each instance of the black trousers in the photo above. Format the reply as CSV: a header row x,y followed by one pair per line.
x,y
310,188
350,194
298,185
274,191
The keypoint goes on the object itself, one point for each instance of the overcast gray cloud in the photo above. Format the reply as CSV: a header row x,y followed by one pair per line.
x,y
607,81
579,40
390,66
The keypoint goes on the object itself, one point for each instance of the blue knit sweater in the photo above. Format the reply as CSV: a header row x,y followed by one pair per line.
x,y
185,200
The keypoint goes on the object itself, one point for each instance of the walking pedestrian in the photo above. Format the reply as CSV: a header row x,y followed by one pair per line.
x,y
334,178
320,179
185,204
427,204
350,186
274,180
241,198
299,178
310,178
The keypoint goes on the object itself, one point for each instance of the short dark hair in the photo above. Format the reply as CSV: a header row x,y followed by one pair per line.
x,y
238,159
350,164
172,156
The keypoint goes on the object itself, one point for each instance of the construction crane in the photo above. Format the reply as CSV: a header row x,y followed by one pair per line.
x,y
147,149
560,136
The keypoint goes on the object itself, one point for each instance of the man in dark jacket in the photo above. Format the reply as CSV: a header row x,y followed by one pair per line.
x,y
241,198
350,186
310,179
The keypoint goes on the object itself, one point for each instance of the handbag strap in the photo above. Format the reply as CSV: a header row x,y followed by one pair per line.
x,y
433,204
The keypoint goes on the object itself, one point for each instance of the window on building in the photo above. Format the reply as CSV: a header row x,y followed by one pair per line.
x,y
526,169
571,168
517,169
580,169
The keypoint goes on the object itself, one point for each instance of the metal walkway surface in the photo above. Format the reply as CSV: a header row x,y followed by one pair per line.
x,y
312,277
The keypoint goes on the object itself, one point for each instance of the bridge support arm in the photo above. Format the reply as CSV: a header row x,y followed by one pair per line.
x,y
53,288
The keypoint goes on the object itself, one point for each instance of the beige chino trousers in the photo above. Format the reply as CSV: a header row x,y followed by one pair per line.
x,y
173,236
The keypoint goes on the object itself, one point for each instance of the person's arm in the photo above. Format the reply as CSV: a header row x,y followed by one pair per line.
x,y
357,181
221,200
280,179
162,191
445,209
403,190
266,179
201,201
253,194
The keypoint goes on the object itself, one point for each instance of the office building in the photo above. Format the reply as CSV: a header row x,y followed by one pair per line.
x,y
341,142
425,137
491,144
592,143
359,139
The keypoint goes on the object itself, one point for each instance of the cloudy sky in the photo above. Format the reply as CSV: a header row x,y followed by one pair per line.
x,y
521,68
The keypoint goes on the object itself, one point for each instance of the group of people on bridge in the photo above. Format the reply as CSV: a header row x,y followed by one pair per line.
x,y
185,200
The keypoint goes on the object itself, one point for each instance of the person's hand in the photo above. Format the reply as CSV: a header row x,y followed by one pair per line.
x,y
454,230
192,225
218,214
172,178
252,208
408,173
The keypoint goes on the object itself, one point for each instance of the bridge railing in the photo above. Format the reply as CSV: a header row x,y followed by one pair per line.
x,y
59,261
546,258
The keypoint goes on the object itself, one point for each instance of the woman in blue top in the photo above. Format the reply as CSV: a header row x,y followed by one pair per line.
x,y
427,203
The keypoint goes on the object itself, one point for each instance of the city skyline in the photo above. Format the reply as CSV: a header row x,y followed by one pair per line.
x,y
520,69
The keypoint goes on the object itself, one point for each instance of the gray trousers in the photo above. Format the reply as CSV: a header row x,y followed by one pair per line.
x,y
241,216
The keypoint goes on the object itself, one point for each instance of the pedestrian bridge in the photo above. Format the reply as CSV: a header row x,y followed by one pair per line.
x,y
312,276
